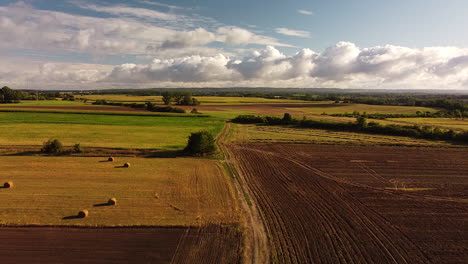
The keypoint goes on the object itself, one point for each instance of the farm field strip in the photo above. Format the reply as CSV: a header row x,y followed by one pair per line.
x,y
370,109
311,218
272,134
107,131
152,192
209,244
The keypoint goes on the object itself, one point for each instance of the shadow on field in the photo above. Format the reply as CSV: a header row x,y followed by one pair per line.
x,y
166,154
3,187
102,204
71,217
24,153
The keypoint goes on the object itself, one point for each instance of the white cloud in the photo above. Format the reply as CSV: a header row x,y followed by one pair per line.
x,y
240,36
342,65
123,10
23,27
292,32
162,5
305,12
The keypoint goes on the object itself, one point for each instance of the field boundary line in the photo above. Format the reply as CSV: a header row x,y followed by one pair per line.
x,y
256,249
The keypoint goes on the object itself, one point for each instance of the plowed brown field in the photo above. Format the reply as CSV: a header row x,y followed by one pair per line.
x,y
351,204
209,244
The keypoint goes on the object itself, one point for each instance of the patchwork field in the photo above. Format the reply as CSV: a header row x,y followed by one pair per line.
x,y
106,131
152,192
204,100
350,204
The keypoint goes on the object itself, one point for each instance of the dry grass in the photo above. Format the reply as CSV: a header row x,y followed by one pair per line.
x,y
53,188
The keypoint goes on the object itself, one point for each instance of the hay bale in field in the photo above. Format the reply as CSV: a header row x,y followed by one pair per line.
x,y
127,165
110,159
8,184
112,201
83,214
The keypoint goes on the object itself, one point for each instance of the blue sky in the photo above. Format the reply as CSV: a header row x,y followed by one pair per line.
x,y
146,43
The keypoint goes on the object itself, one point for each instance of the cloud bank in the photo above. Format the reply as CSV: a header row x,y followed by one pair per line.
x,y
341,65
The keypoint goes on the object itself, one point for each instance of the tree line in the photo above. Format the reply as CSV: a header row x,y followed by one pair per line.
x,y
361,125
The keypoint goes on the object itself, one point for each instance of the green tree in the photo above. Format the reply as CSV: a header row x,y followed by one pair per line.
x,y
167,97
287,118
8,95
361,122
178,96
201,143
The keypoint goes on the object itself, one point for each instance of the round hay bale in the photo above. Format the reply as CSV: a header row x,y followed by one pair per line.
x,y
127,165
110,159
112,201
8,184
83,214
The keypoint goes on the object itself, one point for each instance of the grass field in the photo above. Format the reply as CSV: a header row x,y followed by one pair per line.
x,y
370,109
160,192
447,123
278,134
109,131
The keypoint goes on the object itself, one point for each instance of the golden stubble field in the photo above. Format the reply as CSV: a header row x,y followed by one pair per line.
x,y
152,192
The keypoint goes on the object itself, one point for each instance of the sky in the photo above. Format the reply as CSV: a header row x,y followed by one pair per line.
x,y
90,44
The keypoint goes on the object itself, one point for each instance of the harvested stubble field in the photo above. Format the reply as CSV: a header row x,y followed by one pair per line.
x,y
177,210
152,192
354,204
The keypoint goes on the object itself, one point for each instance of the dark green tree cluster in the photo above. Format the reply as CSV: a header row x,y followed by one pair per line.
x,y
179,98
52,146
8,95
200,143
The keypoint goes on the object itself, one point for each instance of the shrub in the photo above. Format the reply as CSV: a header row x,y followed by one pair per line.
x,y
77,148
52,146
8,185
200,143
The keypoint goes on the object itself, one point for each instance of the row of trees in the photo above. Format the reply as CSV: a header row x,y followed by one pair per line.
x,y
440,114
179,98
361,125
8,95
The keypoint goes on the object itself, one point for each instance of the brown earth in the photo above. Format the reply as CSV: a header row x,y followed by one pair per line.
x,y
260,109
79,108
210,244
351,204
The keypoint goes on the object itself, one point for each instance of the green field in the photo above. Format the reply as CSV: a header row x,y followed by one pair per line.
x,y
108,131
370,109
157,192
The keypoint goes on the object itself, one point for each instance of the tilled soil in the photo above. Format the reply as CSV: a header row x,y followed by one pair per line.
x,y
341,204
209,244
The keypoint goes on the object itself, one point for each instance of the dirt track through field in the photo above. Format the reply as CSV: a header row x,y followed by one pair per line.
x,y
320,207
209,244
